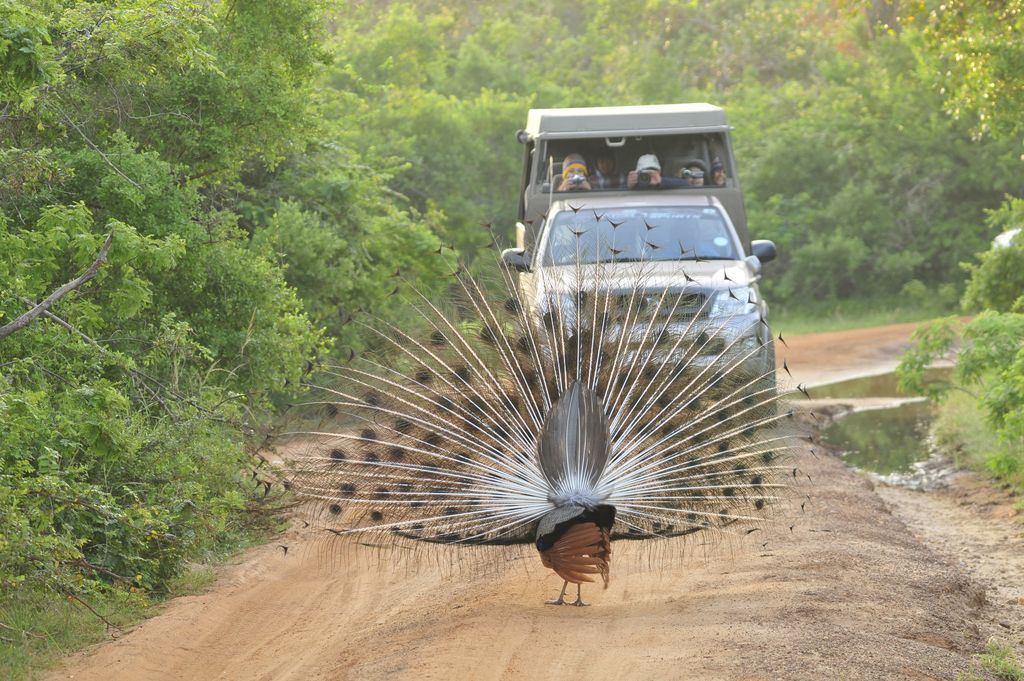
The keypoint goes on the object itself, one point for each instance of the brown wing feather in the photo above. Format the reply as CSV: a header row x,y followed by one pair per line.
x,y
585,549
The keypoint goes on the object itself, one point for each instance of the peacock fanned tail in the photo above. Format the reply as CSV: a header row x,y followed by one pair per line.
x,y
509,419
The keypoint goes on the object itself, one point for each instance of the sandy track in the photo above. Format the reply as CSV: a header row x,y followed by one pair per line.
x,y
848,592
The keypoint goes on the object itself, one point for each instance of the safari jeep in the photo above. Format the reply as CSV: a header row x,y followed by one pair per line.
x,y
583,190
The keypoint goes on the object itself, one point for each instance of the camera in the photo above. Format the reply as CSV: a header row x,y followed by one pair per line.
x,y
643,178
576,180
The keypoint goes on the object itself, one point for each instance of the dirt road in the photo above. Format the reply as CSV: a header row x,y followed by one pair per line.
x,y
840,590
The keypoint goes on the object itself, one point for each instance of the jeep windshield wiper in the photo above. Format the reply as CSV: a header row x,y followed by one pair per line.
x,y
627,258
708,257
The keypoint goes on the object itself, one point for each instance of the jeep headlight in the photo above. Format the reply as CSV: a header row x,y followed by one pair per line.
x,y
735,301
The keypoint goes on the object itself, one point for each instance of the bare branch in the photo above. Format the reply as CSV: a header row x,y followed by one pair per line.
x,y
26,319
82,562
110,625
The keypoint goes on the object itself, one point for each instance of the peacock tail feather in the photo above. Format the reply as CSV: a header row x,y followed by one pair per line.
x,y
594,385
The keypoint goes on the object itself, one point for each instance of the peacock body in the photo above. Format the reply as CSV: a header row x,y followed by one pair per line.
x,y
600,401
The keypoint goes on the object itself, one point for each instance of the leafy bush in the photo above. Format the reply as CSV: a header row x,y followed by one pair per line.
x,y
190,132
997,280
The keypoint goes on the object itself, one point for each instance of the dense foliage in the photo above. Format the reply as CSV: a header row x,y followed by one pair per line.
x,y
982,46
848,158
244,232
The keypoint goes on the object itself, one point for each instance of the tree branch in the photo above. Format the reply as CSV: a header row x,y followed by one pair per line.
x,y
26,319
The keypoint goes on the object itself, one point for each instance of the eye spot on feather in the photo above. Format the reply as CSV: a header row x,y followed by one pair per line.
x,y
462,373
728,492
396,454
438,339
477,404
368,434
337,454
759,504
403,426
768,457
756,480
723,446
372,399
381,493
452,510
445,404
330,410
377,515
532,379
423,375
488,335
664,400
523,345
372,458
335,509
347,489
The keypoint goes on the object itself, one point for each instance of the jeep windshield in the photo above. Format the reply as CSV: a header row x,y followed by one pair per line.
x,y
639,234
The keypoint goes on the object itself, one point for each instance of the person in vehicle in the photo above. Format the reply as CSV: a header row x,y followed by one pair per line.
x,y
574,174
693,175
605,177
648,175
718,177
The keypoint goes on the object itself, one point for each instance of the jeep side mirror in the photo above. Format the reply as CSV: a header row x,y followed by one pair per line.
x,y
516,258
764,250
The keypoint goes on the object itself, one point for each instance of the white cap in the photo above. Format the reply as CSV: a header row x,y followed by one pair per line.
x,y
648,162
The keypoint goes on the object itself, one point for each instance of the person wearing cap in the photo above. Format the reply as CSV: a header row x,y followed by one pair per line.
x,y
693,175
717,172
574,174
648,175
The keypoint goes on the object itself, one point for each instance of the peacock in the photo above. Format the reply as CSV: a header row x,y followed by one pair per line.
x,y
590,404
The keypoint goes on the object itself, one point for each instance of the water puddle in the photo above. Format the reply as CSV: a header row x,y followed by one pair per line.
x,y
883,385
887,437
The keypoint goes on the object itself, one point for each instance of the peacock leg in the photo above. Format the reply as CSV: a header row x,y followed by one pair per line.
x,y
579,596
561,597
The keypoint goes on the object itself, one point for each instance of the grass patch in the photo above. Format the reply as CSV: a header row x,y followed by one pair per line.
x,y
962,431
794,320
997,662
46,626
39,627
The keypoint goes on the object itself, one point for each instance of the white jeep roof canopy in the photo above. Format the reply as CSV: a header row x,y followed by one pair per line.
x,y
631,121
